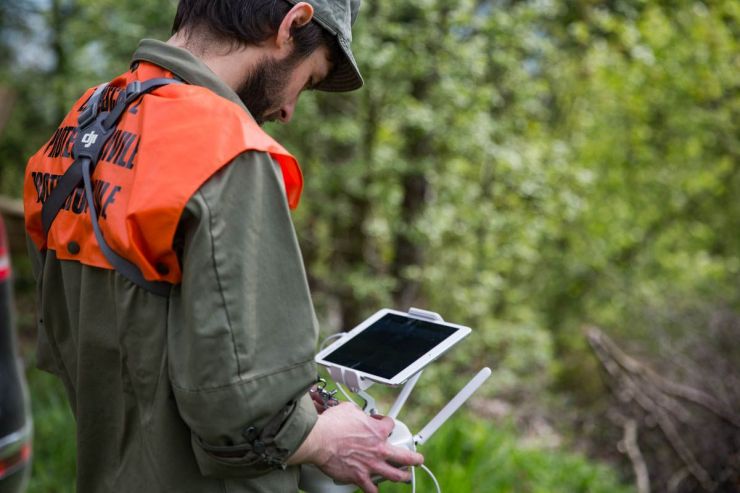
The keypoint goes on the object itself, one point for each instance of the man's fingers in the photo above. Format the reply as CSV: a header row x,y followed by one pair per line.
x,y
393,473
403,457
367,485
314,395
318,403
386,423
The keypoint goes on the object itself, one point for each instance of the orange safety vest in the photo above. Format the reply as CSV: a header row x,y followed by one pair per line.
x,y
165,147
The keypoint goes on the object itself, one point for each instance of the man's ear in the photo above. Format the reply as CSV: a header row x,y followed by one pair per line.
x,y
300,15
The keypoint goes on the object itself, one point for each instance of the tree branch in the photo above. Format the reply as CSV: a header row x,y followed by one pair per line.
x,y
632,449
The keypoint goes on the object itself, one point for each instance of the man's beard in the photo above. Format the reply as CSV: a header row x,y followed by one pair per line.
x,y
264,87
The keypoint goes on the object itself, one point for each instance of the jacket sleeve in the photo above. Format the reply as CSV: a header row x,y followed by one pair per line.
x,y
242,331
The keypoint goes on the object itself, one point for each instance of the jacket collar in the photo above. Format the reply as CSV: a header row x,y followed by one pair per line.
x,y
184,65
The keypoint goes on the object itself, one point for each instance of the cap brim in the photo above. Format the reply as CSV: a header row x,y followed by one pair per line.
x,y
345,76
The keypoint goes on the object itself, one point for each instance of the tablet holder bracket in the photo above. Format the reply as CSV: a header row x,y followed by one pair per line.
x,y
431,316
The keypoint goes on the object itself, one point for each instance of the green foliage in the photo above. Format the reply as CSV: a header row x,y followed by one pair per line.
x,y
472,456
54,449
576,164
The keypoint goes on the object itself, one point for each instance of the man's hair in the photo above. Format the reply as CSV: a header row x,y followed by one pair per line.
x,y
250,22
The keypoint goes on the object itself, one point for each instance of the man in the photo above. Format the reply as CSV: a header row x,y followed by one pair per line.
x,y
173,302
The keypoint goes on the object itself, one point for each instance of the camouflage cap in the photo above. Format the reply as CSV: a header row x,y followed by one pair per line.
x,y
337,17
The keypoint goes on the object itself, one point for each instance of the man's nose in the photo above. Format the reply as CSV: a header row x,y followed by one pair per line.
x,y
286,112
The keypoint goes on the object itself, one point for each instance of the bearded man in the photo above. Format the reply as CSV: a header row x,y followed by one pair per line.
x,y
173,302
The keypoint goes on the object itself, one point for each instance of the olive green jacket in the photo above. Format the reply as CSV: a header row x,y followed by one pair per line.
x,y
205,390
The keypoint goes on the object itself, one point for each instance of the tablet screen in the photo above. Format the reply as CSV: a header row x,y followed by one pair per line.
x,y
389,345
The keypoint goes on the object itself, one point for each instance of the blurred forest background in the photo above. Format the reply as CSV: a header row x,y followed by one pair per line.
x,y
562,176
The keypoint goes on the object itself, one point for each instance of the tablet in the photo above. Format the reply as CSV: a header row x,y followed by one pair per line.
x,y
391,346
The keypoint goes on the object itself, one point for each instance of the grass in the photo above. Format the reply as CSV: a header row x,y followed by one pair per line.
x,y
54,453
473,456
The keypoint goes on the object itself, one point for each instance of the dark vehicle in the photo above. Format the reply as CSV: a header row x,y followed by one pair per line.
x,y
15,424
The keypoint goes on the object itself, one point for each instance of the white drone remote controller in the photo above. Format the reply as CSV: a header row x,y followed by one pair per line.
x,y
312,480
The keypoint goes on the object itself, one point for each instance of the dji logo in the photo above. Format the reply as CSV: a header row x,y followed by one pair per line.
x,y
89,138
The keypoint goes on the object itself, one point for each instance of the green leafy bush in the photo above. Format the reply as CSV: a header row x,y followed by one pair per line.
x,y
473,456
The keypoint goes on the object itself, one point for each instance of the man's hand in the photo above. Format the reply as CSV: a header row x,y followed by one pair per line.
x,y
351,447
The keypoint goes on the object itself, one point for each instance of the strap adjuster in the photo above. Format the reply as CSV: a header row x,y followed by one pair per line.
x,y
91,112
133,91
87,117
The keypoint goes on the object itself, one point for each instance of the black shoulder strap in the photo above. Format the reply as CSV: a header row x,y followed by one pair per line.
x,y
95,129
